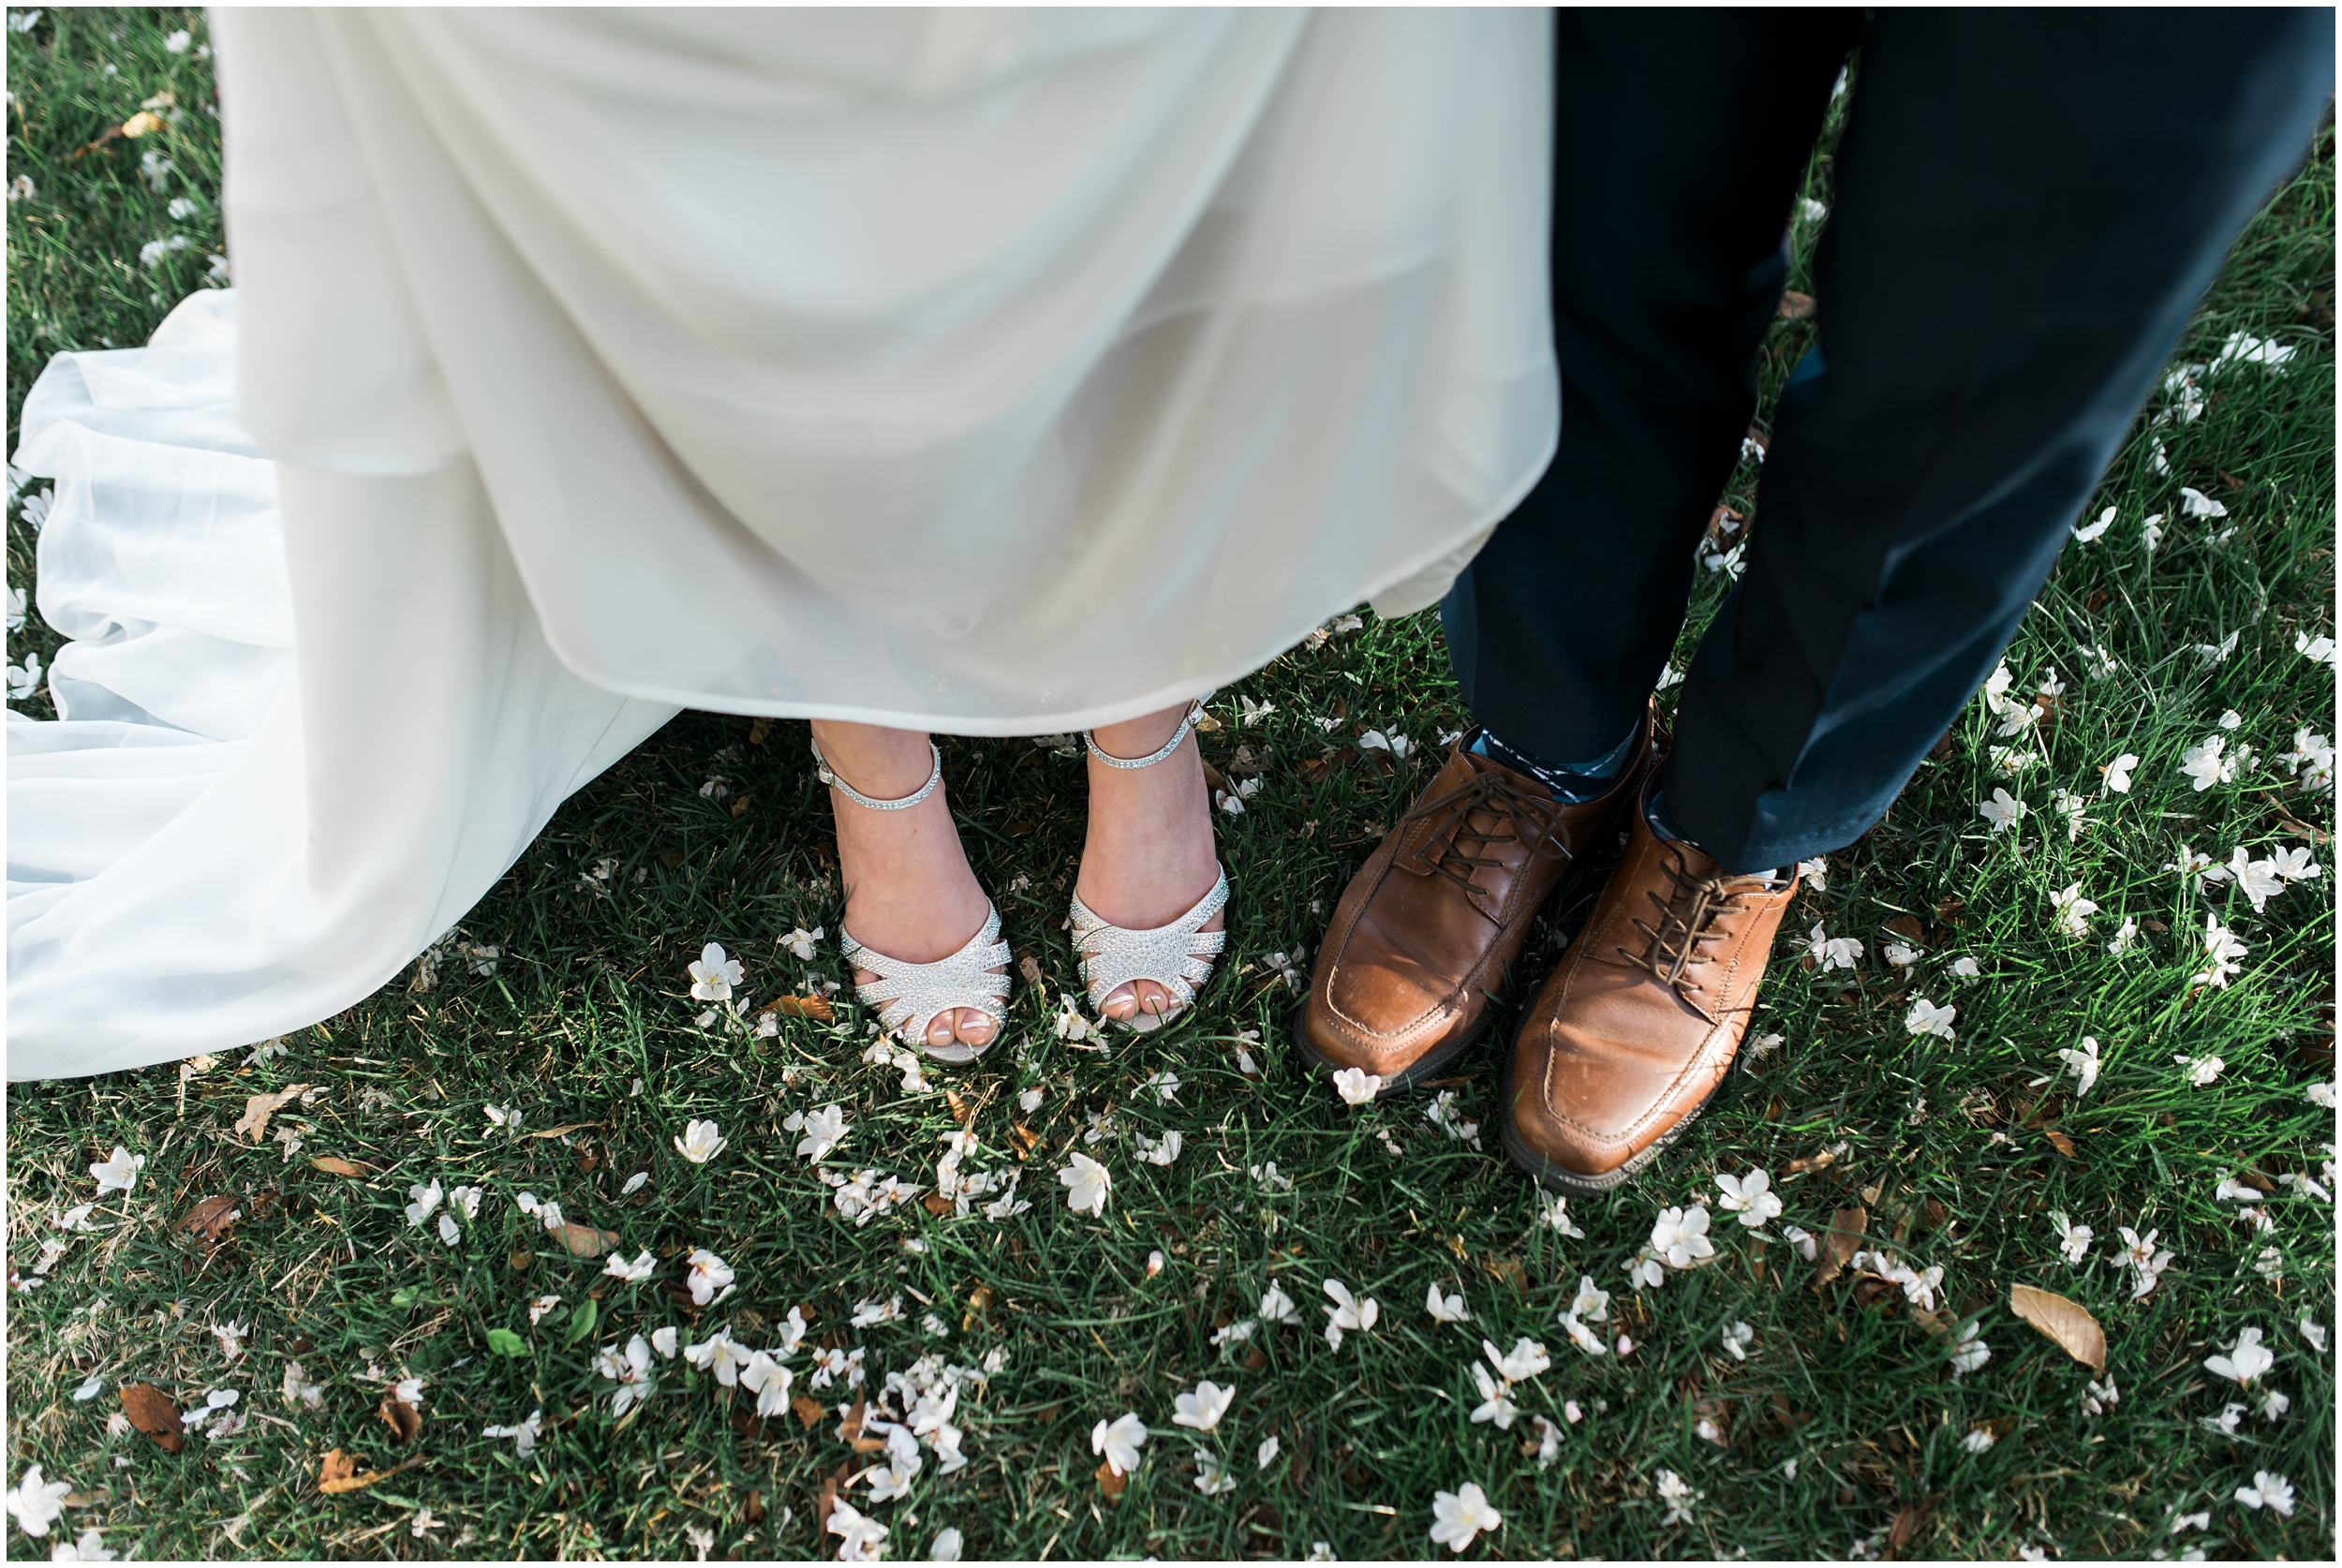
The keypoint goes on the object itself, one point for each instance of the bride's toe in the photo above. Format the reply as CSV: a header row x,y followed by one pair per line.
x,y
975,1027
1121,1003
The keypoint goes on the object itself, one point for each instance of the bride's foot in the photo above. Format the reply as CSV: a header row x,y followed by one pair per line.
x,y
909,893
1150,855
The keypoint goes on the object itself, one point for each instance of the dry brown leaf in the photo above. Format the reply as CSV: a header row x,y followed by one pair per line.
x,y
210,1218
2066,1323
826,1499
936,1203
815,1008
332,1166
565,1126
518,1259
144,123
1804,1164
2059,1141
257,1108
1030,969
153,1413
754,1510
403,1418
979,1302
1025,1138
1907,1523
809,1410
963,1109
1111,1481
585,1241
1794,306
340,1473
1839,1246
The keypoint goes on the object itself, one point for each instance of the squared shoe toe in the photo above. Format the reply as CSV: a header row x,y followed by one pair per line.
x,y
1424,932
1633,1032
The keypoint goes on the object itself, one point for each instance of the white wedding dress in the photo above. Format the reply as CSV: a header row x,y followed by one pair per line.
x,y
989,372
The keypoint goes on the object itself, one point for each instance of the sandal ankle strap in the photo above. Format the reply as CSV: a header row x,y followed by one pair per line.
x,y
935,776
1090,739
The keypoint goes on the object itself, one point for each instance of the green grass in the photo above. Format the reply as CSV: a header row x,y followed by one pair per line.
x,y
1953,1149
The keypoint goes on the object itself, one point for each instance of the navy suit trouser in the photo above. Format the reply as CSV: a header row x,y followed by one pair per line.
x,y
2028,204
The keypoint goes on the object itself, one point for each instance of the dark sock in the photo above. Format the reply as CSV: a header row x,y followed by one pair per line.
x,y
1571,783
1663,826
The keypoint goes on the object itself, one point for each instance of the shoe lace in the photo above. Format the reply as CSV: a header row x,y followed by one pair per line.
x,y
1513,816
1687,918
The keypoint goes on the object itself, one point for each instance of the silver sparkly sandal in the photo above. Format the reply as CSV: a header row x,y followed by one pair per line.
x,y
907,995
1177,956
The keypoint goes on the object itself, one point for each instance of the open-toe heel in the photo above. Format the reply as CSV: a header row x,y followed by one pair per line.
x,y
908,996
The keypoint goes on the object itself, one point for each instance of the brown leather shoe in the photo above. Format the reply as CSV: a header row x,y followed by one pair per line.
x,y
1630,1037
1426,929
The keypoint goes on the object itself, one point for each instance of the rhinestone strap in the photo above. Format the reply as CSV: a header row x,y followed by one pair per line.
x,y
1177,956
821,769
1090,739
911,994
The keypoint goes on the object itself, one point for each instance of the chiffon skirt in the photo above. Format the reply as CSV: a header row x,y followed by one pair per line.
x,y
992,372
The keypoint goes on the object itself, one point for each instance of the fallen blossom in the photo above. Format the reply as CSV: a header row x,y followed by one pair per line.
x,y
1457,1517
1357,1086
1202,1409
710,1278
1348,1312
2269,1490
712,975
1750,1199
1120,1441
1926,1018
1677,1495
700,1142
118,1173
1087,1184
2246,1360
2082,1062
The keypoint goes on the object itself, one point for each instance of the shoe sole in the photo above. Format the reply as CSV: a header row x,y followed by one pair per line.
x,y
1557,1178
1424,1067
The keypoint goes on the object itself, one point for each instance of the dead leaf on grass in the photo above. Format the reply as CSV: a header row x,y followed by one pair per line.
x,y
210,1218
153,1413
826,1499
808,1410
2068,1324
1111,1481
1838,1248
1805,1162
403,1418
144,123
979,1302
816,1008
585,1241
2059,1141
1030,969
340,1473
1794,306
257,1108
565,1126
936,1203
333,1166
